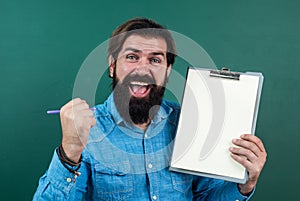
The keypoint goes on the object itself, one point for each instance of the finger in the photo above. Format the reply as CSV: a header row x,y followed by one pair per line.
x,y
92,122
86,113
77,101
76,111
81,106
247,145
255,140
242,160
244,152
72,103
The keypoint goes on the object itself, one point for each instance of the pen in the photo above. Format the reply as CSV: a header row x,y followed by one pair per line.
x,y
58,111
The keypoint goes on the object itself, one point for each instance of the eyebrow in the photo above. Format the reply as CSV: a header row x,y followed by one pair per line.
x,y
139,51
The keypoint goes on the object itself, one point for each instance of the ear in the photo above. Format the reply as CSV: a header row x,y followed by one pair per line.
x,y
112,66
169,70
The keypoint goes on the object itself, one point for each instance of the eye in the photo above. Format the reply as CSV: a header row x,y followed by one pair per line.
x,y
155,60
132,57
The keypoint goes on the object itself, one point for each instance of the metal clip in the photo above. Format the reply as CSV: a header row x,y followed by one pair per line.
x,y
225,73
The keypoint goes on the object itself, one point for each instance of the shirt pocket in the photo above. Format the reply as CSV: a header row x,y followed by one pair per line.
x,y
181,182
113,181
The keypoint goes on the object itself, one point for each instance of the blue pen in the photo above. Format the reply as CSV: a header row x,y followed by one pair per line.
x,y
58,111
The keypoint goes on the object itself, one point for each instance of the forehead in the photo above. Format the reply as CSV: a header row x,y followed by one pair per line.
x,y
145,43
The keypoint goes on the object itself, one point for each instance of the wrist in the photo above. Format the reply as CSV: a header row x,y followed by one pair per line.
x,y
246,189
72,151
70,165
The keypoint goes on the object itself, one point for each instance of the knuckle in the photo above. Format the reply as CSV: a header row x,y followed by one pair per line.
x,y
265,158
252,146
258,141
243,161
76,100
63,108
85,105
257,169
248,135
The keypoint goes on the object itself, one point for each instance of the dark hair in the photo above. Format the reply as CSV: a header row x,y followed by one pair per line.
x,y
143,27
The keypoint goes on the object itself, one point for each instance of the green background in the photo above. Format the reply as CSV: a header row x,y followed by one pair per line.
x,y
43,44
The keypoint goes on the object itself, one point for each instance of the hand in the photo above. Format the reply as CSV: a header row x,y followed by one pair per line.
x,y
252,155
76,121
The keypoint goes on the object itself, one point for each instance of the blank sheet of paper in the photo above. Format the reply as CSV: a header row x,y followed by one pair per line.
x,y
214,111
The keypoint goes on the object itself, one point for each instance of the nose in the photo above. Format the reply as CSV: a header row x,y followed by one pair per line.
x,y
143,66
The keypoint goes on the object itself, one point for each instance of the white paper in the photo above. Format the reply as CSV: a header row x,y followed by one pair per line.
x,y
222,108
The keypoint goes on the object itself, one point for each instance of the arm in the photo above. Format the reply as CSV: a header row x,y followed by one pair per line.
x,y
60,181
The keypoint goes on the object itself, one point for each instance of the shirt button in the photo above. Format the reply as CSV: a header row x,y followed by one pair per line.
x,y
69,180
150,165
154,197
146,135
237,200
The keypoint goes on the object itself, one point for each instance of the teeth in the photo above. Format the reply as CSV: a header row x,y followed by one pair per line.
x,y
139,83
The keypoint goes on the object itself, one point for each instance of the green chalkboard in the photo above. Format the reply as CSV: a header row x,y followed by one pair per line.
x,y
43,44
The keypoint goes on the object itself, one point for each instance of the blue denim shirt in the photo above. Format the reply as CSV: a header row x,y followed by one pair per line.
x,y
123,162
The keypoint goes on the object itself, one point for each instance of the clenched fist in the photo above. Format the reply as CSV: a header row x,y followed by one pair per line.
x,y
76,121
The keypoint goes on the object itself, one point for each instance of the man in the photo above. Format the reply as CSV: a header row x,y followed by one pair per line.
x,y
121,151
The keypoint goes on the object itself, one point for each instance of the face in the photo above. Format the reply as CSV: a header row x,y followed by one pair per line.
x,y
142,56
140,75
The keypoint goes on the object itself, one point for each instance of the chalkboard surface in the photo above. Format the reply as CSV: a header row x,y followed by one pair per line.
x,y
44,43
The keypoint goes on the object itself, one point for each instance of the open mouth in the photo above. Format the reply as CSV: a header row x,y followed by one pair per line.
x,y
139,89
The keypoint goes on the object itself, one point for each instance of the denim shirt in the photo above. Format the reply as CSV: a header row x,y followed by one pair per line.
x,y
123,162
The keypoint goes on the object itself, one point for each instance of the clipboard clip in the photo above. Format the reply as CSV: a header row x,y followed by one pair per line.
x,y
225,73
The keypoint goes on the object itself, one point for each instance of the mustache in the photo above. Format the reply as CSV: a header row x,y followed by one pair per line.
x,y
134,78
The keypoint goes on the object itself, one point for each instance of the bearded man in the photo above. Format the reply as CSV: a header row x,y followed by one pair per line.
x,y
121,151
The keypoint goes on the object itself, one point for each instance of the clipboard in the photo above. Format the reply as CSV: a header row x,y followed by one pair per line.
x,y
217,106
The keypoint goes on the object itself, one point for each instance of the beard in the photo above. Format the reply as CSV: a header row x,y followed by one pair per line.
x,y
135,109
